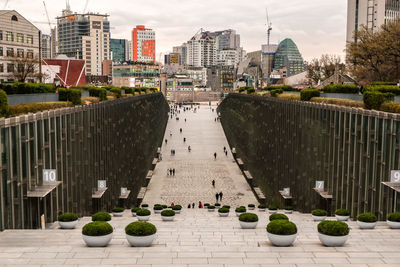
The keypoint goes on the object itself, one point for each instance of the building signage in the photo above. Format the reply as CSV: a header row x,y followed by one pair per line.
x,y
395,176
286,191
132,82
49,176
124,190
101,184
320,185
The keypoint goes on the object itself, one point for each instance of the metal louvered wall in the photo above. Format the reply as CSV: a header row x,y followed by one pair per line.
x,y
286,143
114,141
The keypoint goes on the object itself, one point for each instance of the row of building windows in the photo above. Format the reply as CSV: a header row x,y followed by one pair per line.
x,y
10,52
9,37
11,67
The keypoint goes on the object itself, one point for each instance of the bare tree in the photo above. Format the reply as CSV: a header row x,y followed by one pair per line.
x,y
25,67
324,67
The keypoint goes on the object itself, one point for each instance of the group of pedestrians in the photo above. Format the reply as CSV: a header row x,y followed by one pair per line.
x,y
171,172
172,152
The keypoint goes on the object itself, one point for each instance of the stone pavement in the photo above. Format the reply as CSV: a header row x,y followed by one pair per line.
x,y
198,238
196,169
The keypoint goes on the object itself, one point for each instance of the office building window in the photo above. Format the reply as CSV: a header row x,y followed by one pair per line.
x,y
21,68
20,52
1,51
10,52
10,68
20,38
9,36
1,67
29,39
1,35
29,54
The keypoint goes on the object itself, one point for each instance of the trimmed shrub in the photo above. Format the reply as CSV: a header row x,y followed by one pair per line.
x,y
278,216
319,212
127,90
157,207
390,107
27,88
342,212
217,205
251,90
251,205
384,89
240,209
118,209
248,217
177,207
276,92
168,213
71,95
367,217
288,208
145,205
281,227
223,210
307,94
100,93
272,207
394,217
67,217
140,229
226,207
4,108
384,83
97,228
135,209
211,207
116,92
280,87
206,205
101,216
374,99
289,96
342,88
262,206
164,206
333,228
16,110
143,212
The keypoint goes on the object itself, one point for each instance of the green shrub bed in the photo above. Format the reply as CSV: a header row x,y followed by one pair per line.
x,y
342,212
288,208
118,209
100,93
307,94
262,206
278,216
67,217
140,229
281,227
367,217
168,213
394,217
273,207
16,110
333,228
375,99
97,228
101,216
135,209
177,207
27,88
342,88
70,95
319,212
143,212
251,206
157,207
223,210
240,209
248,217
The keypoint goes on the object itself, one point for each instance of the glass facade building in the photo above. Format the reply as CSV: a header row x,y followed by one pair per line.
x,y
119,49
288,56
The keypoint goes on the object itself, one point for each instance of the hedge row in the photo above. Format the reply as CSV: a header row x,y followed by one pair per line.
x,y
27,88
276,92
384,83
16,110
71,95
282,87
375,99
101,93
338,101
384,89
307,94
342,88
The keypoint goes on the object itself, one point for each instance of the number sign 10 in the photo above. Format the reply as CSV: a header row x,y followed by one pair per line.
x,y
49,176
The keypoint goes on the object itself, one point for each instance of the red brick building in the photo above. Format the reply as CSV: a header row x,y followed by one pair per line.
x,y
68,72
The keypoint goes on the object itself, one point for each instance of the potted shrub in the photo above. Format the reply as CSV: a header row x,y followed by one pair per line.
x,y
118,212
240,210
157,209
251,206
167,215
143,215
164,207
223,212
393,220
211,208
248,220
342,214
217,205
278,216
366,220
97,234
206,205
227,207
262,207
134,210
68,220
272,209
177,209
288,209
281,233
101,216
145,206
140,234
333,233
319,215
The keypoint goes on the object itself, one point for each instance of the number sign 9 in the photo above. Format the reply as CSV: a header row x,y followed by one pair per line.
x,y
395,176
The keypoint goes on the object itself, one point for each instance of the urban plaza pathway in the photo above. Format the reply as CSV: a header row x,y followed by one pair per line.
x,y
198,238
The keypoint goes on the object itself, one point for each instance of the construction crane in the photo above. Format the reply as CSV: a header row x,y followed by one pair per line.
x,y
269,27
47,14
86,5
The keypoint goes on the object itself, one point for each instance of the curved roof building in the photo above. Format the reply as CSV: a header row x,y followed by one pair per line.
x,y
288,56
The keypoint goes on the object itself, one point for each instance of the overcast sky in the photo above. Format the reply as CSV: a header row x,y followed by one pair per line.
x,y
316,26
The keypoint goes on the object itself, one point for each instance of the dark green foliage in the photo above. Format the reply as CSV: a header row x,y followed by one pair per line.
x,y
240,209
206,205
272,207
177,207
342,88
367,217
135,209
226,207
146,205
384,89
97,228
342,212
211,207
118,209
223,210
27,88
319,212
71,95
333,228
276,92
251,90
307,94
281,227
164,206
168,213
251,205
248,217
288,208
394,217
68,217
127,90
143,212
217,205
384,83
375,99
262,206
116,91
157,207
100,93
4,108
16,110
101,216
280,87
140,229
278,216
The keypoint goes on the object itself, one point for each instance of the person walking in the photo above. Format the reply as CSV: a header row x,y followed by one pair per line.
x,y
170,172
166,141
167,171
173,172
216,196
180,130
189,206
226,152
213,183
189,148
184,139
199,204
220,196
224,148
215,155
185,119
193,205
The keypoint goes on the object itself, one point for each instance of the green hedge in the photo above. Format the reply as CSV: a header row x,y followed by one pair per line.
x,y
4,108
98,228
375,99
128,90
72,95
27,88
342,88
140,229
307,94
281,227
101,216
276,92
384,83
101,93
67,217
280,87
16,110
333,228
384,89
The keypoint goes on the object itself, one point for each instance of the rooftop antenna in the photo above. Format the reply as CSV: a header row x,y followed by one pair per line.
x,y
68,6
86,5
269,27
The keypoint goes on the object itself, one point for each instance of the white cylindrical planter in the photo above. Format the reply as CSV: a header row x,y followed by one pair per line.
x,y
97,241
140,241
167,218
118,214
318,218
342,218
226,214
262,210
366,225
272,211
248,225
393,225
288,211
143,218
68,225
281,240
177,211
157,211
332,241
211,210
251,208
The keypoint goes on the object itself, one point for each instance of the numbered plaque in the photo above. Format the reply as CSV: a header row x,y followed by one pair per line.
x,y
320,185
124,191
101,184
395,176
286,191
49,176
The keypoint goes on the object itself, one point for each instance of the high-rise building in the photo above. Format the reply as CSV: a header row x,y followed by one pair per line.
x,y
288,58
227,40
120,50
130,51
144,44
370,13
46,46
201,50
54,45
267,59
85,36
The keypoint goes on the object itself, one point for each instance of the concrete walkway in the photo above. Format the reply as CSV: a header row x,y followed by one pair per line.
x,y
196,169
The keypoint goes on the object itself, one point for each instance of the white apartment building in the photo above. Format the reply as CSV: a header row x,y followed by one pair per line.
x,y
18,38
229,57
370,13
46,46
201,50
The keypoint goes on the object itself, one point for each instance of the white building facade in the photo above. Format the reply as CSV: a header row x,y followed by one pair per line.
x,y
201,50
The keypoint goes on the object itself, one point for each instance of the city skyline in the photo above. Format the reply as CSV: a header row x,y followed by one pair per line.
x,y
318,34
